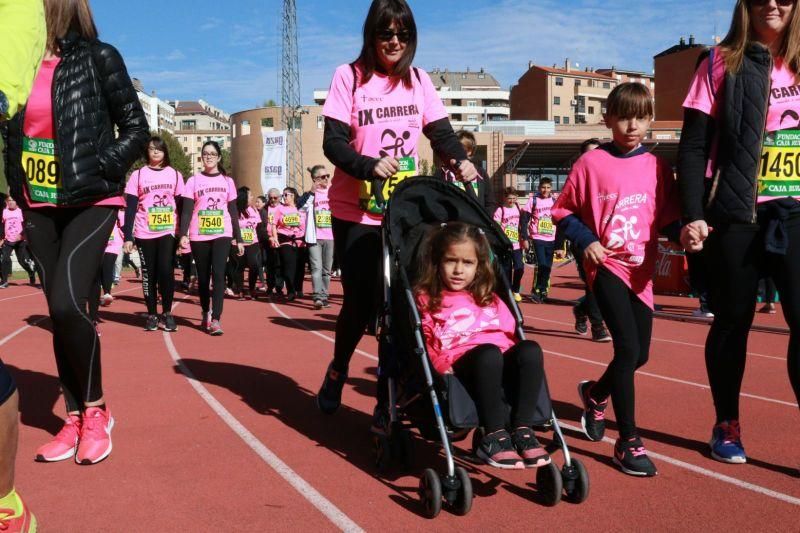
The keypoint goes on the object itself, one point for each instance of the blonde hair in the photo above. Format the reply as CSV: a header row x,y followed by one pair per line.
x,y
740,35
63,16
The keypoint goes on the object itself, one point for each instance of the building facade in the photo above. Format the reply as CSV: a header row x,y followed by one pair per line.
x,y
674,69
160,113
198,122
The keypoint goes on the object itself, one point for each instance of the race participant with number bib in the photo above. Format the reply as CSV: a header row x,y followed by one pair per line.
x,y
152,196
210,222
67,155
319,236
12,240
542,233
273,265
377,107
101,294
249,219
288,230
739,173
482,186
509,216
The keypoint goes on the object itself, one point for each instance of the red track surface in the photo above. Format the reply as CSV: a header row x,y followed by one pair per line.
x,y
178,466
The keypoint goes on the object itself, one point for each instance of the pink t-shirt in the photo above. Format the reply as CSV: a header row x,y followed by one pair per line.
x,y
290,222
508,218
541,226
39,150
385,120
322,215
624,201
247,225
115,240
156,190
461,324
783,114
210,218
12,222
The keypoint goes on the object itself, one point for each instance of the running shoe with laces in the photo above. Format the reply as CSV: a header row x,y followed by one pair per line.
x,y
631,457
325,304
600,334
205,322
24,522
317,304
94,444
215,328
581,319
726,443
106,300
169,322
64,444
497,449
517,297
593,417
152,323
329,396
528,447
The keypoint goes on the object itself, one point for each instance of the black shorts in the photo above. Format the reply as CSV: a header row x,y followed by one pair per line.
x,y
7,384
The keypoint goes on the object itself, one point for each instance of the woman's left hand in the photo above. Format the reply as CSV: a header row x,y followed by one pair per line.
x,y
465,171
240,246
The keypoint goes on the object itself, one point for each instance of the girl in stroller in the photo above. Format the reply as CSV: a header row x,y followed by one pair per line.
x,y
470,332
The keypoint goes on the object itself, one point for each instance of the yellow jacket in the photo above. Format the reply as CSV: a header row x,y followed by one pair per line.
x,y
23,32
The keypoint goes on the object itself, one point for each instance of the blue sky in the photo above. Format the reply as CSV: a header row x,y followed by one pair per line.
x,y
228,52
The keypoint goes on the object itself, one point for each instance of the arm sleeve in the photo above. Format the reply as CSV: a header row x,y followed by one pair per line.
x,y
234,212
576,231
22,26
131,205
186,215
695,145
524,220
336,146
444,141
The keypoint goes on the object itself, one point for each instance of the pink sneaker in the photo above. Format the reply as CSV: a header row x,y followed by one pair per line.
x,y
63,446
215,328
205,322
95,441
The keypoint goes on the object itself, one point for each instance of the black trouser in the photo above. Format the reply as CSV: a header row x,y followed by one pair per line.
x,y
185,261
105,280
630,322
698,278
300,268
273,266
22,256
158,272
544,264
486,373
288,255
737,258
770,291
358,247
127,261
210,258
517,270
587,304
68,245
252,261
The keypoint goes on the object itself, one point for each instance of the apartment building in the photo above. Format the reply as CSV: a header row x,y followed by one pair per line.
x,y
565,95
625,76
198,122
160,113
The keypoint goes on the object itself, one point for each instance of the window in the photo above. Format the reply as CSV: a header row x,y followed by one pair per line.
x,y
199,139
591,110
606,85
557,120
185,150
557,100
481,76
559,81
472,118
566,120
320,122
267,122
577,83
472,103
245,127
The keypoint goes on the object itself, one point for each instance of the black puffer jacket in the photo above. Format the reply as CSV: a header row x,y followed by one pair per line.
x,y
92,94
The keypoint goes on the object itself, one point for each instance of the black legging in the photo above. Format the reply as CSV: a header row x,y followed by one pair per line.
x,y
737,258
185,261
288,255
210,258
630,322
587,304
68,244
300,268
517,270
486,373
158,272
22,256
252,261
358,247
273,267
105,280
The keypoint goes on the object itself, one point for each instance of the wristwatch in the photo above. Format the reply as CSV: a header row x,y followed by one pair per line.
x,y
3,106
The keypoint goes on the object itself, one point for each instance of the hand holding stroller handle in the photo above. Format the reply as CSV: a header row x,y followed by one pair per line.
x,y
377,192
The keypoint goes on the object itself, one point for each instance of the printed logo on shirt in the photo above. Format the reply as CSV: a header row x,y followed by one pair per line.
x,y
370,116
622,231
397,143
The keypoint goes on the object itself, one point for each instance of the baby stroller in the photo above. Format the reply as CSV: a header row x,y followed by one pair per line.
x,y
414,390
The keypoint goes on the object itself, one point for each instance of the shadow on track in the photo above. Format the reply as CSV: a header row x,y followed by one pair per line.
x,y
38,393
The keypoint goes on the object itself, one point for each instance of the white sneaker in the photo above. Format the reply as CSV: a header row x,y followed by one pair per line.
x,y
106,300
702,313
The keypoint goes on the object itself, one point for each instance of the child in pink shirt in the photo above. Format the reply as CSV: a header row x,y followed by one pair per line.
x,y
471,333
509,217
11,240
542,232
614,202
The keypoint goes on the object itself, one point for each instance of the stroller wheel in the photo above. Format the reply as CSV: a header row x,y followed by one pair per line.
x,y
430,493
463,501
549,484
383,452
576,482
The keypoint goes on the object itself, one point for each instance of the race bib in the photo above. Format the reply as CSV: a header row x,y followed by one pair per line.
x,y
512,233
42,170
780,164
460,185
291,221
160,218
248,235
111,237
545,226
323,219
407,169
211,222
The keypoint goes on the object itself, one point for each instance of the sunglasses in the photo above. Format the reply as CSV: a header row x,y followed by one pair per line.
x,y
287,194
274,197
322,177
387,35
781,3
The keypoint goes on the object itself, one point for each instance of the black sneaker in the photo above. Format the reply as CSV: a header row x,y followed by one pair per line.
x,y
535,297
152,323
325,304
497,450
631,457
380,420
593,418
600,334
581,326
329,397
169,322
528,447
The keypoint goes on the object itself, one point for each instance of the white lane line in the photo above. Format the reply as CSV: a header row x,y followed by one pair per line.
x,y
667,459
682,343
21,296
325,506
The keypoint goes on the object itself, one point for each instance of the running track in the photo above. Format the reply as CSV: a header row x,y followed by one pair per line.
x,y
230,438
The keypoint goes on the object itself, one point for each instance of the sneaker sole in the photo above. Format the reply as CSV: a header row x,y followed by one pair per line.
x,y
216,333
539,463
488,460
583,413
67,455
104,455
630,472
737,460
325,410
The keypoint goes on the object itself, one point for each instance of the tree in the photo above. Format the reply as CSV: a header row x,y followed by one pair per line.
x,y
226,161
269,103
178,158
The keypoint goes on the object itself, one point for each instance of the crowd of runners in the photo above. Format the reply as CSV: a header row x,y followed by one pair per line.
x,y
79,205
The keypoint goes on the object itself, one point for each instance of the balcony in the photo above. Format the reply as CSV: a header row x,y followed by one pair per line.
x,y
592,92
